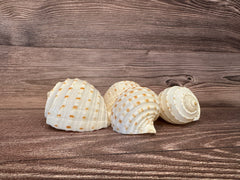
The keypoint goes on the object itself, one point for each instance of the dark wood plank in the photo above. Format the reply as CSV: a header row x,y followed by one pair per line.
x,y
155,43
27,74
152,25
204,149
216,163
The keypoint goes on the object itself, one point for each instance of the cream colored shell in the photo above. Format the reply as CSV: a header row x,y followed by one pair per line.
x,y
178,105
134,111
75,105
114,92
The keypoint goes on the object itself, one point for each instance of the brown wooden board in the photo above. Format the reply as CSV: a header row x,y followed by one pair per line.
x,y
157,43
176,25
205,149
27,74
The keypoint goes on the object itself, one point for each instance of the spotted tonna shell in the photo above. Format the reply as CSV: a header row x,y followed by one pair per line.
x,y
134,111
114,92
75,105
178,105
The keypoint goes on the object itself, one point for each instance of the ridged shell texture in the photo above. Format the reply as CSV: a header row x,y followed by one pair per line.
x,y
134,111
115,91
75,105
178,105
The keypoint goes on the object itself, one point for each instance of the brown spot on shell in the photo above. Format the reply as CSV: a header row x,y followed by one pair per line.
x,y
55,125
58,115
147,100
82,88
75,107
135,97
71,116
128,110
68,127
48,113
66,96
78,98
120,121
81,128
84,117
70,88
59,89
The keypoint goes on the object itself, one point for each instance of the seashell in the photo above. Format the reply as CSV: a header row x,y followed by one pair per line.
x,y
115,90
178,105
75,105
135,111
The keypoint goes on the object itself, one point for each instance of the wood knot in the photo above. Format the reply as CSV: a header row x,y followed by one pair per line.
x,y
180,80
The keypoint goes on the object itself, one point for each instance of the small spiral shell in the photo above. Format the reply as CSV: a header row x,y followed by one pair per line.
x,y
178,105
134,111
114,92
75,105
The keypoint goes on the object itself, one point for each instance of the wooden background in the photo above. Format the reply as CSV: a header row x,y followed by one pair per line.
x,y
156,43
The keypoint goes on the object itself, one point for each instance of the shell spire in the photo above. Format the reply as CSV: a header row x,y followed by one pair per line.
x,y
76,105
178,105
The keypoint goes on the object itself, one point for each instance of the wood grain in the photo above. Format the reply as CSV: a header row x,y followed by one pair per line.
x,y
157,43
150,25
27,74
188,164
208,148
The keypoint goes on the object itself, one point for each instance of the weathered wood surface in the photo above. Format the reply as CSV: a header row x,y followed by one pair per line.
x,y
207,149
156,43
176,25
28,73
